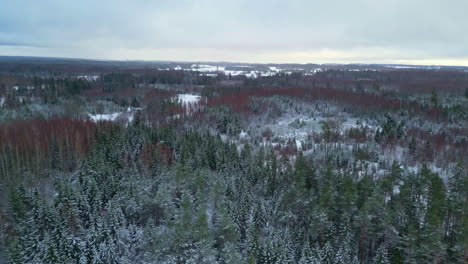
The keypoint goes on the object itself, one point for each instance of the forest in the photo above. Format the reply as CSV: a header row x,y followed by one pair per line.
x,y
173,163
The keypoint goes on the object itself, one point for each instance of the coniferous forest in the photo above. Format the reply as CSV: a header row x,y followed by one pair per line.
x,y
170,163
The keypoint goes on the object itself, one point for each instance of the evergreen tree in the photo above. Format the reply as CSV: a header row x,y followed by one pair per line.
x,y
382,256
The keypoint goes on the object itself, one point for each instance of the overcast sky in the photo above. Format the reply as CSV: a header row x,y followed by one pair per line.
x,y
296,31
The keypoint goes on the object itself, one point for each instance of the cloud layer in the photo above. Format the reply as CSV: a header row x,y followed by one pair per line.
x,y
367,31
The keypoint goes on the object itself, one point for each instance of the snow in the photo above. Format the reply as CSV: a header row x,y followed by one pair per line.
x,y
403,67
313,71
88,77
187,99
243,135
130,118
209,216
298,145
251,74
174,117
351,122
282,128
266,74
212,71
206,68
104,117
2,101
224,137
413,67
123,116
234,73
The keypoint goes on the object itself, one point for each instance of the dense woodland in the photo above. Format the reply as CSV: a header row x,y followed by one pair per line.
x,y
340,166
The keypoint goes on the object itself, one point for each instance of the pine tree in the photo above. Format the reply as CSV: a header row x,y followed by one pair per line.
x,y
251,258
327,255
18,203
378,135
108,253
225,228
272,175
308,256
433,244
305,178
434,98
15,252
51,256
382,255
231,255
457,205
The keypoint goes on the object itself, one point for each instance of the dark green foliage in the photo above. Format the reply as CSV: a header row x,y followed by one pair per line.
x,y
390,130
213,204
116,81
434,98
73,87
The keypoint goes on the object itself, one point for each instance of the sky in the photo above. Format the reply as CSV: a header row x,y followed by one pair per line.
x,y
429,32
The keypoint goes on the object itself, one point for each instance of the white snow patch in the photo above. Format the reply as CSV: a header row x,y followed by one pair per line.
x,y
223,137
104,117
121,116
252,74
298,145
243,135
211,74
209,216
206,68
130,117
212,71
88,77
188,98
268,73
235,73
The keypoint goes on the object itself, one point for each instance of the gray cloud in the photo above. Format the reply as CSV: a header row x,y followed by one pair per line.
x,y
255,31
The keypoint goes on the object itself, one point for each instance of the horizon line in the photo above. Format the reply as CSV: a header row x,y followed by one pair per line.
x,y
233,62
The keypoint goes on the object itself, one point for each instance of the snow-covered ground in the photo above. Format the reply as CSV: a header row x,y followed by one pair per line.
x,y
187,99
241,70
127,116
413,67
104,117
207,68
212,70
88,77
